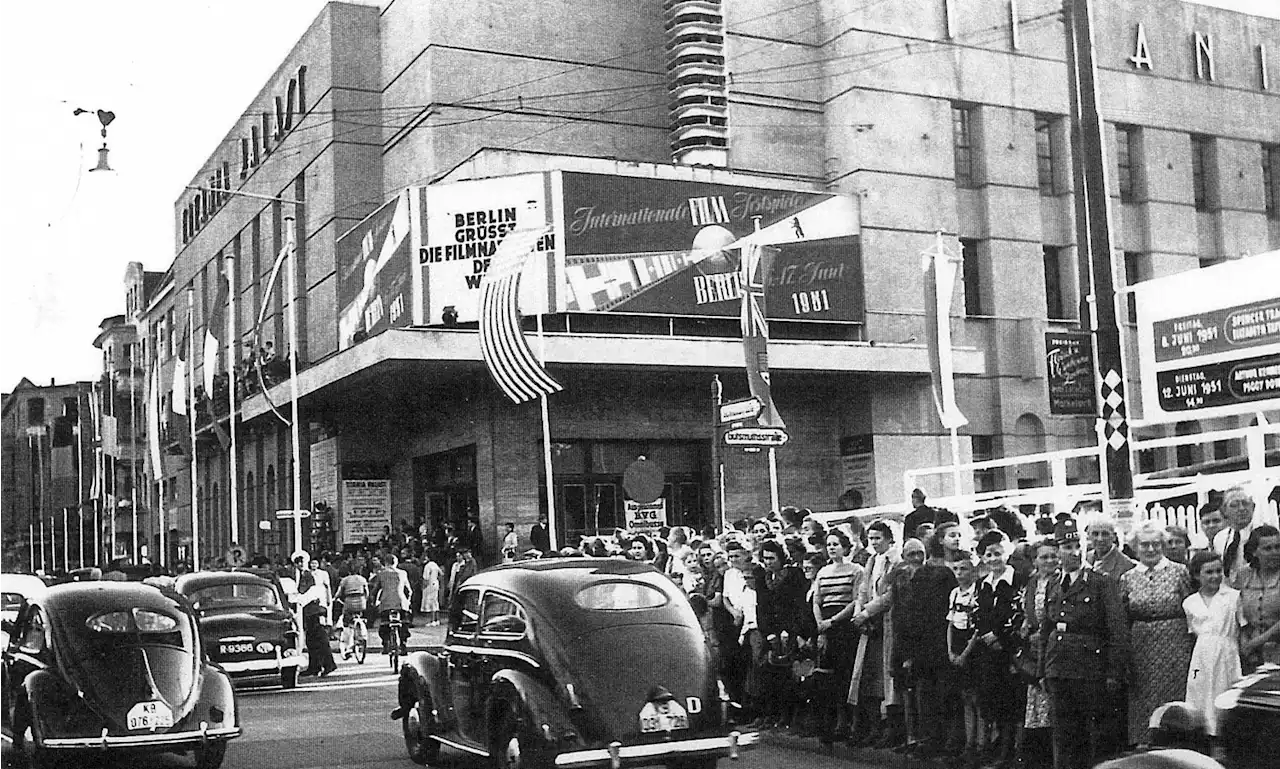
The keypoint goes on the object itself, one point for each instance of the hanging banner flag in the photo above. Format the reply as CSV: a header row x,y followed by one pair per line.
x,y
215,330
153,422
756,261
178,395
374,264
939,285
506,352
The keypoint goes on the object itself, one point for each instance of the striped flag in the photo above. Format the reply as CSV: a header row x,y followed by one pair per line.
x,y
215,330
756,261
506,352
939,285
153,422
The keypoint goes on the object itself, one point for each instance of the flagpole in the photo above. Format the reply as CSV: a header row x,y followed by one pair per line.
x,y
546,446
773,452
80,476
233,345
191,424
31,543
133,446
40,459
294,429
66,540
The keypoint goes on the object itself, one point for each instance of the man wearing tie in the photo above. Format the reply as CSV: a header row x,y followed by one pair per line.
x,y
1237,505
1086,646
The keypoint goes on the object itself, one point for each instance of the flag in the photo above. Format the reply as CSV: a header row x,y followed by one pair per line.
x,y
756,261
215,330
178,398
506,352
939,285
153,421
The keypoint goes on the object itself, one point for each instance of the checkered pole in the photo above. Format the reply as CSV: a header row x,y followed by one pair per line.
x,y
1094,251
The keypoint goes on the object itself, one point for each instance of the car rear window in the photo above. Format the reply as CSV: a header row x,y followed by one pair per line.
x,y
132,621
620,596
237,595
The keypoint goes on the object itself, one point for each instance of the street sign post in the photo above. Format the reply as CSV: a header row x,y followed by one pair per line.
x,y
288,514
737,411
756,436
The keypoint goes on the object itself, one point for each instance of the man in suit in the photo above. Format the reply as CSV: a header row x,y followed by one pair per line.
x,y
539,536
1106,557
472,539
1238,507
1086,647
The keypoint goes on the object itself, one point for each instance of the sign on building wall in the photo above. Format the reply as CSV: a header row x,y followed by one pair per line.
x,y
645,517
1209,340
857,472
366,509
1068,358
659,246
324,472
462,224
374,283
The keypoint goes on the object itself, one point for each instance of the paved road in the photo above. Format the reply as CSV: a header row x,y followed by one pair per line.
x,y
342,721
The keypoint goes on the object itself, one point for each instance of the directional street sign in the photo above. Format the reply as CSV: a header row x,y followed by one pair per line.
x,y
284,514
736,411
756,436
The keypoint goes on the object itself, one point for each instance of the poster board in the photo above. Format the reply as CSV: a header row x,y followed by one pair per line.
x,y
366,509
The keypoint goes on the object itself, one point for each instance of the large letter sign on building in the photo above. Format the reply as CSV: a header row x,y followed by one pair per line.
x,y
1209,340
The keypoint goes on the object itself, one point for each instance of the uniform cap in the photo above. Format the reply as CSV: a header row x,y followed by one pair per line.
x,y
1066,531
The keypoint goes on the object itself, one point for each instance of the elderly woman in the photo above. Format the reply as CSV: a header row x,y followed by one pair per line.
x,y
1259,586
1153,592
1177,543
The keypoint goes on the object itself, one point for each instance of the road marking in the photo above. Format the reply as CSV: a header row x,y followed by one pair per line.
x,y
390,679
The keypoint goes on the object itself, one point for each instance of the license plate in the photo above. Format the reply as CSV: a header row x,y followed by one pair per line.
x,y
663,717
239,648
150,715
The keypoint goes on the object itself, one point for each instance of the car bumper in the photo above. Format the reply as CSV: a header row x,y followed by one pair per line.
x,y
618,755
260,667
164,740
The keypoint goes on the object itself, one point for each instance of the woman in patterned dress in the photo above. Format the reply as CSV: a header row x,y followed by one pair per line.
x,y
1160,646
1036,749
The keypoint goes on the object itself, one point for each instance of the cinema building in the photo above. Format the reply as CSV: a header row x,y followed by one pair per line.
x,y
407,140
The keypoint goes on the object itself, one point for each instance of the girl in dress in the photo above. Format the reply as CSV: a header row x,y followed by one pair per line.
x,y
1214,616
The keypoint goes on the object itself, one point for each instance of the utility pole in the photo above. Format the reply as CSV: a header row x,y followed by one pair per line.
x,y
1095,254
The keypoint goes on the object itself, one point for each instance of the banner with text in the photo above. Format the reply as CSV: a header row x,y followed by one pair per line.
x,y
673,247
645,517
1209,340
462,225
373,273
366,509
1068,358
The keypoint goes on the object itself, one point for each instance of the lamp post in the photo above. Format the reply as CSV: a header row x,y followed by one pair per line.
x,y
291,252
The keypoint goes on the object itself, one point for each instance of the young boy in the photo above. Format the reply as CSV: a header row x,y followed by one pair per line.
x,y
510,543
960,642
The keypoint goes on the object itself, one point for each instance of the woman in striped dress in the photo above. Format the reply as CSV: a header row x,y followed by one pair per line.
x,y
835,592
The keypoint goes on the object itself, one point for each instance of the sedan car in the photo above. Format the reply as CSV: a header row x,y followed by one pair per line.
x,y
113,667
247,628
570,662
1249,719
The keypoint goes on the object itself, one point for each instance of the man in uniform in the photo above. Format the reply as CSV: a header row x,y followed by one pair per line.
x,y
1086,646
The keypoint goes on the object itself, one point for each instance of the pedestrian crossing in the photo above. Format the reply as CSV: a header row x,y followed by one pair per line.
x,y
373,674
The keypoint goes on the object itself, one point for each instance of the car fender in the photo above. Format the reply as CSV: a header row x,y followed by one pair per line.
x,y
44,695
216,691
546,715
419,672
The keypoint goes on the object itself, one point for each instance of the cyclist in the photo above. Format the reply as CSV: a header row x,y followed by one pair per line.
x,y
353,596
391,592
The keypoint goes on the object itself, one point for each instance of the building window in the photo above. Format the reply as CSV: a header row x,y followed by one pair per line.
x,y
1133,274
962,130
1056,304
1271,179
1126,162
971,268
1046,155
1202,181
35,411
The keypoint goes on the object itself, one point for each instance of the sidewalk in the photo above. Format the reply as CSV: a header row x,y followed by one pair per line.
x,y
423,636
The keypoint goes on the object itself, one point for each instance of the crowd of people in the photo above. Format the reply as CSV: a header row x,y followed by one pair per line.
x,y
996,640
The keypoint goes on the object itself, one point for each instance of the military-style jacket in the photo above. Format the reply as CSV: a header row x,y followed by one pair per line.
x,y
1084,631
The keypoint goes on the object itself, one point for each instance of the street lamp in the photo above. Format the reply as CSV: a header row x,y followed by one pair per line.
x,y
104,117
291,251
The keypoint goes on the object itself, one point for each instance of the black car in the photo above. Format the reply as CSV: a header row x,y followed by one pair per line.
x,y
570,662
113,667
1249,720
247,626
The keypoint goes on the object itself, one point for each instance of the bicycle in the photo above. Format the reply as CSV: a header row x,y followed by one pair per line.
x,y
355,636
394,641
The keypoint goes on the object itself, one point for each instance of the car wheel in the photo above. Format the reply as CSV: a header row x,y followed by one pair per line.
x,y
210,755
417,740
513,748
289,677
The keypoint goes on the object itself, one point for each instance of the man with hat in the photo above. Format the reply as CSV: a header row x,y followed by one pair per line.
x,y
1086,645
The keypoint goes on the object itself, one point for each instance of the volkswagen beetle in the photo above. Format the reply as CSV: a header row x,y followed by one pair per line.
x,y
246,626
113,667
570,662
